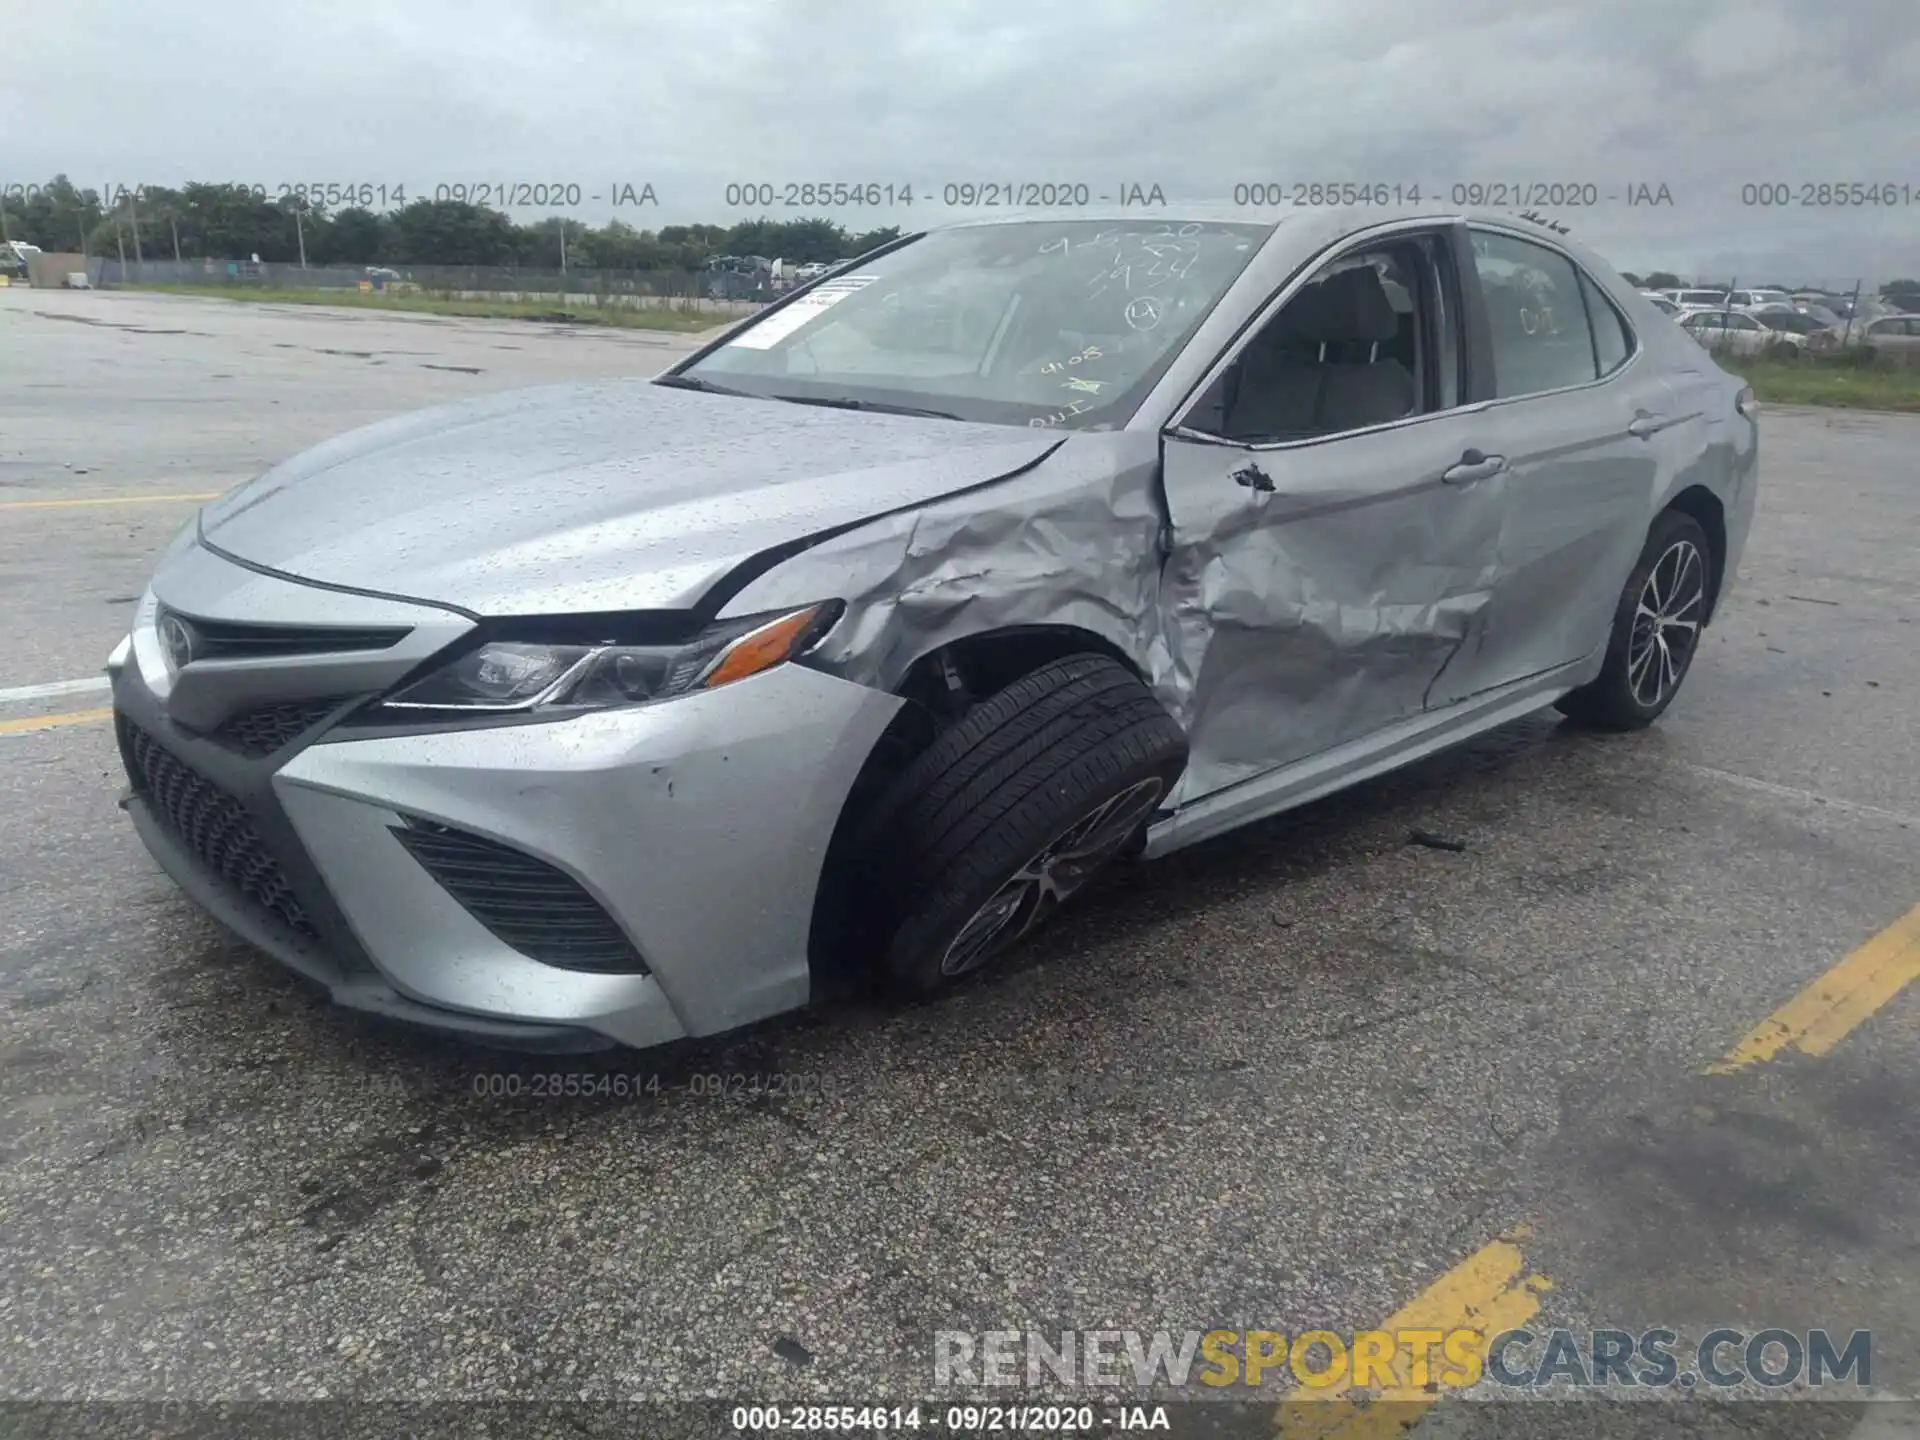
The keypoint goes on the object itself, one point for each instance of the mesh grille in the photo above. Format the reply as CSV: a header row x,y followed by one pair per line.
x,y
538,910
212,824
267,729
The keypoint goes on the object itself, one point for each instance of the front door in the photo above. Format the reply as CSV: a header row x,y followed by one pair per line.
x,y
1336,515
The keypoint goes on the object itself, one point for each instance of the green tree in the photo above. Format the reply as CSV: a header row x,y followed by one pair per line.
x,y
1662,280
872,240
229,222
232,222
708,237
449,232
800,241
618,246
353,237
54,216
1903,293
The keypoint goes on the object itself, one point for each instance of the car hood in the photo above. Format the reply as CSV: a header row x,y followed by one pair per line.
x,y
616,496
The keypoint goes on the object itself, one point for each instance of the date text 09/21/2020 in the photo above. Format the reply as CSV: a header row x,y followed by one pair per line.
x,y
1882,193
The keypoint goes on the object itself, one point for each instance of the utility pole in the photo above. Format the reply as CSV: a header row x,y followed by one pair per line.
x,y
134,213
300,231
175,224
1853,309
563,247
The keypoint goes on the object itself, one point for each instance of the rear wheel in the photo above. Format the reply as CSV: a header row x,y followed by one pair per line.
x,y
1011,812
1656,630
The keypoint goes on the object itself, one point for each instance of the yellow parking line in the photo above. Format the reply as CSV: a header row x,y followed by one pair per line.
x,y
1488,1292
107,500
1821,1015
53,722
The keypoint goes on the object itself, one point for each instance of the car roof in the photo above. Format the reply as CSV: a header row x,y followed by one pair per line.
x,y
1324,224
1207,213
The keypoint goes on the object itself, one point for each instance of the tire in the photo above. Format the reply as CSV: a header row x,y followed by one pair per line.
x,y
1647,663
1010,812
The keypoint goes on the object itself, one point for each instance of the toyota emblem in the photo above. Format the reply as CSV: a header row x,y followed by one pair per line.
x,y
176,638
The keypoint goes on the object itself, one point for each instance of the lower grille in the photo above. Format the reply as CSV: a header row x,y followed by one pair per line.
x,y
542,912
212,824
267,729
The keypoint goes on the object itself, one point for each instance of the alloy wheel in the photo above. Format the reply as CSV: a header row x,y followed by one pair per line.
x,y
1666,623
1040,886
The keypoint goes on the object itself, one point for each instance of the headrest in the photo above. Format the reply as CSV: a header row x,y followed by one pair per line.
x,y
1351,305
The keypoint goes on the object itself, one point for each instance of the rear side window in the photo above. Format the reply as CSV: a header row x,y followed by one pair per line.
x,y
1612,343
1541,339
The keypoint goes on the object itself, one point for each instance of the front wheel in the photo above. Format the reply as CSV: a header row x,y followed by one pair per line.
x,y
1012,811
1656,630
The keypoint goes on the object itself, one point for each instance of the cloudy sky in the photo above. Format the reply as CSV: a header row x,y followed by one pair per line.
x,y
1702,96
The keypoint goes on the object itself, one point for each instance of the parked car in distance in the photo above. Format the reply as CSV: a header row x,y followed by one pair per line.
x,y
810,271
1789,320
650,708
1820,314
1692,300
16,257
1896,336
1786,323
1660,302
1736,332
1754,299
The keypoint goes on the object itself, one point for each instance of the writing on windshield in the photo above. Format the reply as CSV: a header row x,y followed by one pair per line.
x,y
1034,323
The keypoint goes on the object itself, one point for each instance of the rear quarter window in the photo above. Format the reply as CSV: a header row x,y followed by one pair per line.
x,y
1536,314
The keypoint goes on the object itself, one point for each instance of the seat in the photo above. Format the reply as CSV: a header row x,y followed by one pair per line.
x,y
1280,380
1376,390
1290,389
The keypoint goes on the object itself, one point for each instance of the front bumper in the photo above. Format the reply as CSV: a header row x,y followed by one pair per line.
x,y
698,824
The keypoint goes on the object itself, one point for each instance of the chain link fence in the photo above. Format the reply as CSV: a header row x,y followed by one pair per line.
x,y
719,291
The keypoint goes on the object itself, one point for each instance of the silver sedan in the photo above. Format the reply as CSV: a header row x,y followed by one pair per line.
x,y
855,645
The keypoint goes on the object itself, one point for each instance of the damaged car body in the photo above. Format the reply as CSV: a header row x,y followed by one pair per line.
x,y
856,643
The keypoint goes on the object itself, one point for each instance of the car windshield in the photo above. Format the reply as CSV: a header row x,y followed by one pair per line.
x,y
1790,320
1042,323
1703,297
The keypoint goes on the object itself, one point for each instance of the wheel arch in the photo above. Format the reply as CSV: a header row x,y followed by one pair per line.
x,y
1705,507
985,662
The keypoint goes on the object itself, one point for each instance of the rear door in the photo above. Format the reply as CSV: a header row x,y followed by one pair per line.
x,y
1577,414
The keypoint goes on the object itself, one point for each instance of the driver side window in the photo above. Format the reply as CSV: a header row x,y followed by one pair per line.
x,y
1358,346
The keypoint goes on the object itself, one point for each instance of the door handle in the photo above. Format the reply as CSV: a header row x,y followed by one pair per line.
x,y
1645,425
1253,478
1474,466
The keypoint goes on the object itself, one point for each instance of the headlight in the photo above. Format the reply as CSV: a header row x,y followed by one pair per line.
x,y
512,676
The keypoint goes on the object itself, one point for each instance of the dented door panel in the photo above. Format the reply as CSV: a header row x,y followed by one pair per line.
x,y
1326,609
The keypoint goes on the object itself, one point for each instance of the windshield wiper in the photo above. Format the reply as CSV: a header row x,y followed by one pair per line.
x,y
694,382
880,407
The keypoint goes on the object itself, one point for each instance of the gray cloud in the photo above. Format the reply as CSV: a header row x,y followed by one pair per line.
x,y
1195,95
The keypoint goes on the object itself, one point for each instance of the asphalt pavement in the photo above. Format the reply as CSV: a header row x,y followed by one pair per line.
x,y
1310,1075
